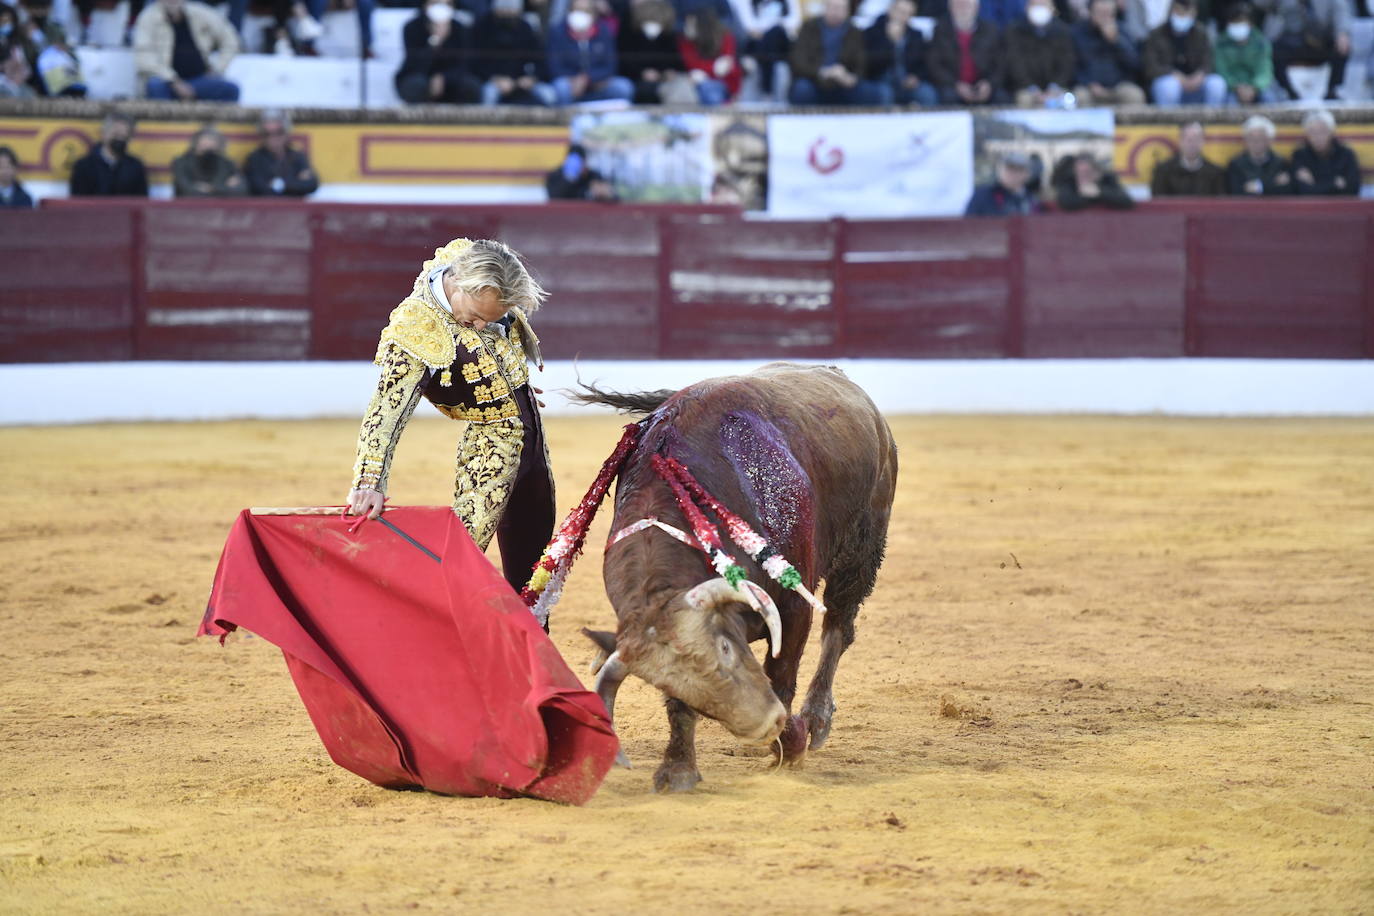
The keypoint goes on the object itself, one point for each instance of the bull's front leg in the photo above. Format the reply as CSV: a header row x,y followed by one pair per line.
x,y
678,772
782,673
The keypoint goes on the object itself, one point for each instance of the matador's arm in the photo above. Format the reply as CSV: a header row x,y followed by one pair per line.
x,y
398,391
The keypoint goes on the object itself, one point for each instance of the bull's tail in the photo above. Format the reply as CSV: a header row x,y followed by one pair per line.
x,y
639,402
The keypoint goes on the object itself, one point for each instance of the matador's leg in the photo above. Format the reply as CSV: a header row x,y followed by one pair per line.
x,y
488,461
527,523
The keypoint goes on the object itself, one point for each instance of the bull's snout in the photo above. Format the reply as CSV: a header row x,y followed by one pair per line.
x,y
771,728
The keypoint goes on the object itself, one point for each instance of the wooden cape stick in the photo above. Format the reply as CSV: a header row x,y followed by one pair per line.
x,y
337,510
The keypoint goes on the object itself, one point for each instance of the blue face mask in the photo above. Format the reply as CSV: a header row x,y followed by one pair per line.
x,y
572,166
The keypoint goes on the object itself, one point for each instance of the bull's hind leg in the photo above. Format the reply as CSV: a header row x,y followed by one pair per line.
x,y
679,772
850,581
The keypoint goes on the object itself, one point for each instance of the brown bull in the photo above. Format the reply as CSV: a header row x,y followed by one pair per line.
x,y
803,456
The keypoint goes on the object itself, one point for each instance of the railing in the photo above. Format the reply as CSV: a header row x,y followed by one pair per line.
x,y
267,280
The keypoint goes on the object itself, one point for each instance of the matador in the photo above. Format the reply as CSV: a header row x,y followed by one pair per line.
x,y
463,340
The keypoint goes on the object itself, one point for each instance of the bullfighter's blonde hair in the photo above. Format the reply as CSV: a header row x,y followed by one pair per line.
x,y
487,263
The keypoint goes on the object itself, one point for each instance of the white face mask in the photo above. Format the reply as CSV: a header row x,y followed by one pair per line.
x,y
1239,31
439,12
652,30
1039,16
1181,23
579,20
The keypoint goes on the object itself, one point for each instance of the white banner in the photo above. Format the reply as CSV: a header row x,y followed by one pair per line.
x,y
869,165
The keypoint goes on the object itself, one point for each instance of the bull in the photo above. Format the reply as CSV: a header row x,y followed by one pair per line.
x,y
802,455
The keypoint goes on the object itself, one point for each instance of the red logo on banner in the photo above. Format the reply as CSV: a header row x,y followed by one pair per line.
x,y
831,160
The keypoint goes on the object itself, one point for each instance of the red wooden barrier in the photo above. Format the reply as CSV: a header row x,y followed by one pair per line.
x,y
106,280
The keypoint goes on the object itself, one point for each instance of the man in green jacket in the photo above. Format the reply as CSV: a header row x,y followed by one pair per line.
x,y
1245,59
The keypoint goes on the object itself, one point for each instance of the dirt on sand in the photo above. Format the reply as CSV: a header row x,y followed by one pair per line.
x,y
1112,666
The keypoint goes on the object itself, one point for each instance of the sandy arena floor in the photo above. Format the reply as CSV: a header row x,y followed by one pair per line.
x,y
1112,666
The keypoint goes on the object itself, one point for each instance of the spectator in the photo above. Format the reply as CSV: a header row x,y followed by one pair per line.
x,y
58,67
12,193
1308,33
649,58
575,180
1245,59
1178,61
14,72
181,50
1258,171
1008,194
510,59
108,170
828,59
1188,173
966,60
895,56
582,58
1141,17
316,10
1323,164
768,27
1002,13
204,171
1080,183
1040,57
708,52
437,65
1108,59
275,168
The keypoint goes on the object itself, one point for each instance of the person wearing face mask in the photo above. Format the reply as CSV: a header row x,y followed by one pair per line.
x,y
204,171
582,58
462,340
510,58
1108,59
108,170
649,58
439,59
1244,60
1178,61
1040,57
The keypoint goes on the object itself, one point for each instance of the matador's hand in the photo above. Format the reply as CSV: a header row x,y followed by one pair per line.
x,y
362,501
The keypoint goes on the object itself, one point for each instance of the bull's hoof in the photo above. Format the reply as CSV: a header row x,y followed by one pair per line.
x,y
818,728
793,740
676,778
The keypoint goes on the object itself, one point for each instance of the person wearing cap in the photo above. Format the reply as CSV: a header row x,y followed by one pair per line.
x,y
1008,194
1177,60
462,339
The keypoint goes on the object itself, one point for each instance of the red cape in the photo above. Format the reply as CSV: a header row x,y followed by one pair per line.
x,y
415,672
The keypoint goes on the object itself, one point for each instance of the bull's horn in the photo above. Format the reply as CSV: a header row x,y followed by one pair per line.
x,y
718,591
608,681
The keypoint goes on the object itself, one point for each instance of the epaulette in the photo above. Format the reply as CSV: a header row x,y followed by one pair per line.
x,y
421,331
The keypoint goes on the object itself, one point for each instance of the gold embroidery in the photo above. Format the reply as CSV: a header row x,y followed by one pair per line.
x,y
398,391
488,460
421,331
470,373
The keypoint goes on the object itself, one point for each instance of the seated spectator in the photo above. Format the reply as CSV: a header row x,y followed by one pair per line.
x,y
1178,61
1323,164
1258,171
58,67
12,193
575,180
649,58
438,61
769,27
965,58
108,170
1308,33
1245,59
204,171
14,72
510,58
895,57
275,168
181,50
1108,60
708,52
1188,173
1040,57
582,58
1141,17
828,59
1002,13
1081,183
1008,195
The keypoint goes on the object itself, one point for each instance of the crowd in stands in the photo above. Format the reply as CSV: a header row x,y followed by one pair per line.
x,y
1035,53
1320,166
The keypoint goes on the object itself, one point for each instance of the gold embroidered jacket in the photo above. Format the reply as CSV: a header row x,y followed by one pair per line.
x,y
468,375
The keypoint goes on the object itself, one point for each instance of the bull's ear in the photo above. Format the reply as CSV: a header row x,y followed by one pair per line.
x,y
604,639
